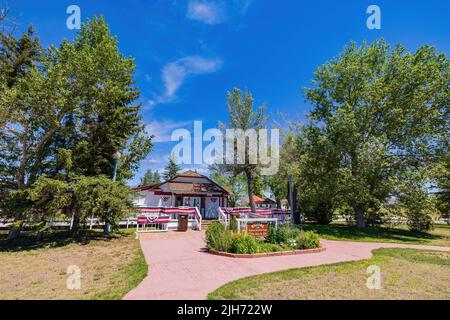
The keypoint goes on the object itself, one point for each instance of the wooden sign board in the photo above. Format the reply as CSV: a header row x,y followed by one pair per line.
x,y
258,229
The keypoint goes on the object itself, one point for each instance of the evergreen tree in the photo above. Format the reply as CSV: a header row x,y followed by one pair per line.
x,y
150,177
156,177
171,169
72,104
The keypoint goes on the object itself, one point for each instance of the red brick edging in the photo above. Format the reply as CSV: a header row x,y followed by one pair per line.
x,y
266,254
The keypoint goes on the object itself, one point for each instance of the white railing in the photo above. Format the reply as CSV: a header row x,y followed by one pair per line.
x,y
198,219
151,228
223,218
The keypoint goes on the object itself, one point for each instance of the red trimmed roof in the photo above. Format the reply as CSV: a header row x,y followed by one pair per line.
x,y
187,186
255,198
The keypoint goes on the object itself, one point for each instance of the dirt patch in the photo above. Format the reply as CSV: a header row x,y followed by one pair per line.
x,y
42,273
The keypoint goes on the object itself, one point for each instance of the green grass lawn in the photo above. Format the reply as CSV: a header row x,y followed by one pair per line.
x,y
110,267
405,274
440,236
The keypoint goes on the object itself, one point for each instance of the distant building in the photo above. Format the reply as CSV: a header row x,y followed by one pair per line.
x,y
262,203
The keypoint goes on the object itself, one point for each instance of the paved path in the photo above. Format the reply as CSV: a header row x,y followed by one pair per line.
x,y
179,267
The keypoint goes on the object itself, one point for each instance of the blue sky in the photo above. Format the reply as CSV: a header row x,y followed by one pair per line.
x,y
190,53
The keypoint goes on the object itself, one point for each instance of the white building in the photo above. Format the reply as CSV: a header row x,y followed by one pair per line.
x,y
188,189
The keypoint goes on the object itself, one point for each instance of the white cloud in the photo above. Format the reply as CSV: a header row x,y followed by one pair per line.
x,y
209,12
162,129
158,159
176,72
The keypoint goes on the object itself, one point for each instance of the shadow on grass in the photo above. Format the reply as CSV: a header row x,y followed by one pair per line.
x,y
57,238
343,232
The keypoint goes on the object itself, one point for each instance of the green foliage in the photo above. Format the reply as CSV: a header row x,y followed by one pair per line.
x,y
374,217
102,198
150,177
233,224
243,243
243,117
308,240
282,235
378,112
414,199
441,175
171,169
269,247
236,184
218,237
64,112
80,198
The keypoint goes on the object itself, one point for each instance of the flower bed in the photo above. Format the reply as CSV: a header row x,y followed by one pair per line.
x,y
279,241
266,254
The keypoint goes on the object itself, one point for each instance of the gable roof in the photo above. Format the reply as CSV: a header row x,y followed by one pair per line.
x,y
187,186
190,173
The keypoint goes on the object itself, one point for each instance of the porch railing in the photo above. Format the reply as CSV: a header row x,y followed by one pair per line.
x,y
198,219
223,218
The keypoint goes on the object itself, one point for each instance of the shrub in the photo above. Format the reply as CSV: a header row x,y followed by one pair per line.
x,y
419,222
271,235
282,235
374,217
233,224
269,247
244,244
218,238
308,240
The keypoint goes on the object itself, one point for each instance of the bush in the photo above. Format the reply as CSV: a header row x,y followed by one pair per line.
x,y
218,238
233,224
419,222
244,244
282,235
308,240
269,247
374,217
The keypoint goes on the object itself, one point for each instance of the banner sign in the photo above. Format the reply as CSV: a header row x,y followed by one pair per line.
x,y
153,218
258,229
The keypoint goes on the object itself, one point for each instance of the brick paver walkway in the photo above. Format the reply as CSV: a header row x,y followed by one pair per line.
x,y
179,267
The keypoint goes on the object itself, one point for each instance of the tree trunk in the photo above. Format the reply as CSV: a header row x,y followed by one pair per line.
x,y
359,215
75,225
250,187
14,233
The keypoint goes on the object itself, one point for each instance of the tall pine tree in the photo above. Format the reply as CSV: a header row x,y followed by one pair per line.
x,y
171,169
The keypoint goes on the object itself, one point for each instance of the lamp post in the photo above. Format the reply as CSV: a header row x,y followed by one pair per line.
x,y
116,157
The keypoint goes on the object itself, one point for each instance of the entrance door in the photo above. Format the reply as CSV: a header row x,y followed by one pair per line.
x,y
212,204
195,202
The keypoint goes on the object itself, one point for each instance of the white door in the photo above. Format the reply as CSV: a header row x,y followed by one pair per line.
x,y
211,206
